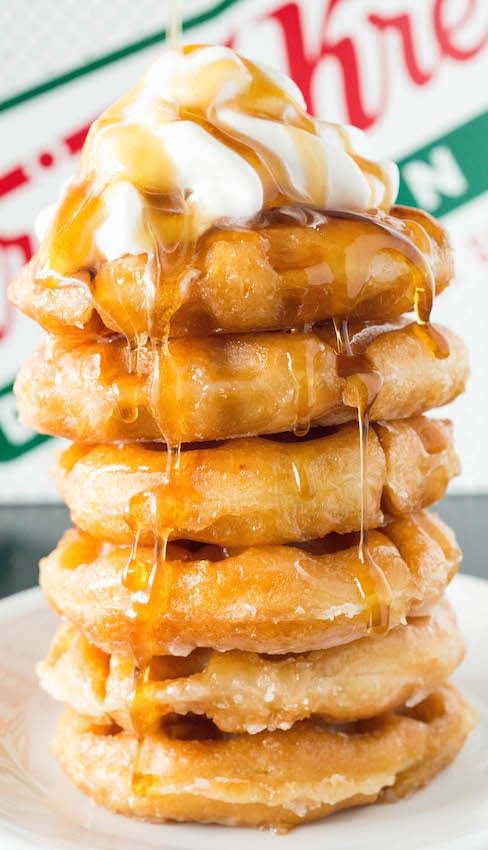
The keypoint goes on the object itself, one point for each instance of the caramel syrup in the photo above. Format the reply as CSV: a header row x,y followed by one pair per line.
x,y
363,383
305,392
306,488
308,216
150,593
149,597
362,386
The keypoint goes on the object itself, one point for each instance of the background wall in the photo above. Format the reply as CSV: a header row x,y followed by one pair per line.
x,y
412,73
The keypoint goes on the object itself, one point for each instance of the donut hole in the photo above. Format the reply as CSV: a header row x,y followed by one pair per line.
x,y
353,729
190,727
163,667
184,550
429,710
328,545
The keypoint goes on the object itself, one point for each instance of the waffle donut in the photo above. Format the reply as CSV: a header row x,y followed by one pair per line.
x,y
221,387
256,491
246,692
272,599
189,771
273,276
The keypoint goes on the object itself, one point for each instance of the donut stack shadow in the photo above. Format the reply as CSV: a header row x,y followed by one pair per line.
x,y
232,651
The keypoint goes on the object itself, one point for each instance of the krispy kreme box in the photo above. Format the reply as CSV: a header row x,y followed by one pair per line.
x,y
411,73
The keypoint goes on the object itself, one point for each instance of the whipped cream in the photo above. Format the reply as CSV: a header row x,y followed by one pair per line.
x,y
223,138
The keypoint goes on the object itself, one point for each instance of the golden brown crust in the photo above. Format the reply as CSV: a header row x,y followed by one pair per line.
x,y
273,599
277,779
246,692
420,462
222,387
256,491
244,280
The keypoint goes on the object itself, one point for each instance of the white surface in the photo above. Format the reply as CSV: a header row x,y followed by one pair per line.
x,y
40,809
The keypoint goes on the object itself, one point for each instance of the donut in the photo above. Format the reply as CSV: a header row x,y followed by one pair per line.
x,y
248,692
224,387
256,491
189,771
271,599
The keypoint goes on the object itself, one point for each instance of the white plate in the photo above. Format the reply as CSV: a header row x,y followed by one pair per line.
x,y
40,808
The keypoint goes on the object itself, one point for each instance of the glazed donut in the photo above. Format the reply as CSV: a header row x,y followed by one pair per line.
x,y
262,278
272,599
222,387
256,491
246,692
190,772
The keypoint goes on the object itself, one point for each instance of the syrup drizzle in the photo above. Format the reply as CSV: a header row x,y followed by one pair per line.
x,y
150,593
303,364
363,384
306,215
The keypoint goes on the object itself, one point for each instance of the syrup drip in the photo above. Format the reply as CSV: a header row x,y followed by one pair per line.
x,y
149,597
305,487
150,593
149,585
363,383
361,389
305,215
129,413
299,365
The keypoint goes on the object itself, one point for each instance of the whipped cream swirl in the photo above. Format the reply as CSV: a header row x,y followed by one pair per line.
x,y
209,136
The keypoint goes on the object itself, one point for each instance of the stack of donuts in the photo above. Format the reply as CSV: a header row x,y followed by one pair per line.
x,y
255,630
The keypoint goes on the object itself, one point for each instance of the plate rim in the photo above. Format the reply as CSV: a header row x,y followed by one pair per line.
x,y
33,599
